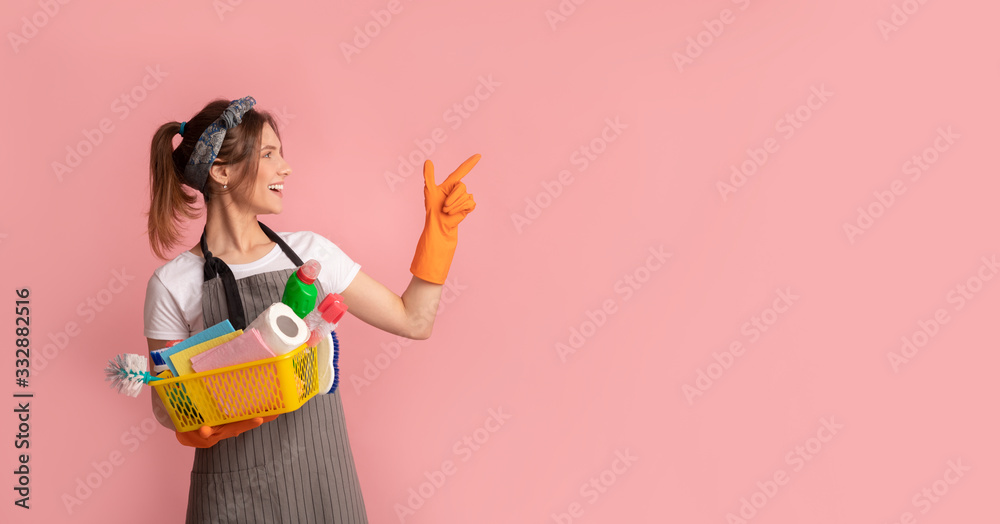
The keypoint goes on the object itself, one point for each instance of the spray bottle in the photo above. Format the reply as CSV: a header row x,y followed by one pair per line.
x,y
325,317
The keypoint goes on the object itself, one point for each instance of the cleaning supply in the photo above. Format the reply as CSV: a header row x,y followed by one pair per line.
x,y
280,328
336,358
300,290
325,317
231,377
327,358
321,323
156,356
216,330
260,388
324,361
240,350
182,359
127,373
445,205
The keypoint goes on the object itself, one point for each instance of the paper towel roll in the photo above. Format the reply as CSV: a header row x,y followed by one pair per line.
x,y
280,328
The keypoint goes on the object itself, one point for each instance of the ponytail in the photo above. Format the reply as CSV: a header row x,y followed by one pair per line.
x,y
169,201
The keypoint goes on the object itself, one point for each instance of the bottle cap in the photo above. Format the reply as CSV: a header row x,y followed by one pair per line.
x,y
309,271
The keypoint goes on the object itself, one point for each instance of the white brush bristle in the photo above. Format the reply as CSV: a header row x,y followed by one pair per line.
x,y
126,372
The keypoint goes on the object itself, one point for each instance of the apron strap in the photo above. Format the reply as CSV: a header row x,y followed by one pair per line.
x,y
215,267
281,243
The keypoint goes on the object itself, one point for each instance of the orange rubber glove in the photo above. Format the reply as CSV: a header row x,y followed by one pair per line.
x,y
208,436
445,205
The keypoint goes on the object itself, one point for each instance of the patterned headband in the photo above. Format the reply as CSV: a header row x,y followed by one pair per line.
x,y
210,141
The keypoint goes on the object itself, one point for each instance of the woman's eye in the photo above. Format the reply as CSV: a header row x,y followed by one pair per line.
x,y
267,155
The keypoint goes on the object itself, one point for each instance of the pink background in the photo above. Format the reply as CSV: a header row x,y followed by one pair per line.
x,y
521,291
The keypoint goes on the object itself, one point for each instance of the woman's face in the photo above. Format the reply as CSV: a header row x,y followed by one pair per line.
x,y
271,172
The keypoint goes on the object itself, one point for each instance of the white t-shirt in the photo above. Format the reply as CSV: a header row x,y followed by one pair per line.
x,y
173,295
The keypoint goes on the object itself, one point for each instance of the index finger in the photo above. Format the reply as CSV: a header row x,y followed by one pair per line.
x,y
454,178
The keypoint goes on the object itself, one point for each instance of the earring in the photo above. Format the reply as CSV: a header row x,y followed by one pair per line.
x,y
224,186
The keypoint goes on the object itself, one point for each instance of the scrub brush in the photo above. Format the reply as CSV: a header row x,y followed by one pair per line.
x,y
336,357
127,373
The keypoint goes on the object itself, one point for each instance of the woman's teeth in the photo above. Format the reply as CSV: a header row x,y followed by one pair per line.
x,y
276,187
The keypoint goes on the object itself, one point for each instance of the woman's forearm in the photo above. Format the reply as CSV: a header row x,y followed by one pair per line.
x,y
420,300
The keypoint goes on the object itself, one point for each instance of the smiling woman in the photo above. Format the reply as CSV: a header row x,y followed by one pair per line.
x,y
232,155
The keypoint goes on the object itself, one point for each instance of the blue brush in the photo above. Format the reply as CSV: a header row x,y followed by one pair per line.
x,y
336,357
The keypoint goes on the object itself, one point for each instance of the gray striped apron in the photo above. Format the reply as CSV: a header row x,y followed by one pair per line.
x,y
297,468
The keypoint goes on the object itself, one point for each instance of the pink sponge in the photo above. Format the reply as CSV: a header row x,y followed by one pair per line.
x,y
245,348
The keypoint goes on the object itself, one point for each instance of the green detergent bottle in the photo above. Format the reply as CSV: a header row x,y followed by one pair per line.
x,y
300,291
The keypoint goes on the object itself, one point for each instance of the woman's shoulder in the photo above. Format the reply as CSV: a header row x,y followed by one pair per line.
x,y
304,239
180,268
309,244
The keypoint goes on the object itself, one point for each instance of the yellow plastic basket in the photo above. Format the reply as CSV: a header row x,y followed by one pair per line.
x,y
254,389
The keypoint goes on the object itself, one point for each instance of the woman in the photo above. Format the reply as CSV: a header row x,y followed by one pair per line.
x,y
295,467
